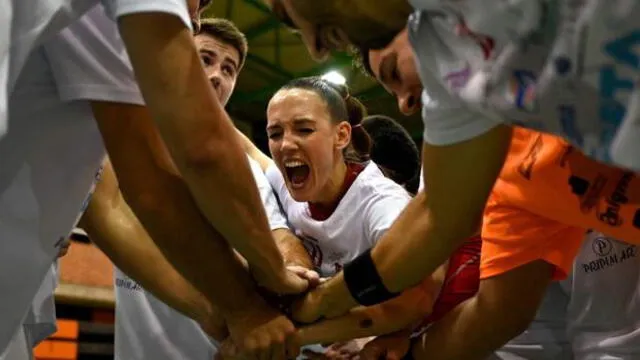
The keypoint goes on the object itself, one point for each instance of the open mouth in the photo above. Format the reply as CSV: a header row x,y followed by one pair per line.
x,y
297,173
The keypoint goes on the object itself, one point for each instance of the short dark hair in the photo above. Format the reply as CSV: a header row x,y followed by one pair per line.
x,y
225,31
361,61
394,150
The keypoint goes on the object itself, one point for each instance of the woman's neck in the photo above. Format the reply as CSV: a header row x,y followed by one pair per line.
x,y
332,191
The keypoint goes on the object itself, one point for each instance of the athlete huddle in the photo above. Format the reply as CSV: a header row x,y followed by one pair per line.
x,y
486,75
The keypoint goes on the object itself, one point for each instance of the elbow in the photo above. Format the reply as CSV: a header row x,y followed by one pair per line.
x,y
143,202
205,155
448,222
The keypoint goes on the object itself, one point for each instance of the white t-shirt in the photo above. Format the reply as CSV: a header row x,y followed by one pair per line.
x,y
566,67
604,311
364,214
146,328
40,322
48,160
19,348
25,24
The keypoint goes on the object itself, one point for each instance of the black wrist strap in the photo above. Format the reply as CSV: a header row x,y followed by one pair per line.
x,y
364,282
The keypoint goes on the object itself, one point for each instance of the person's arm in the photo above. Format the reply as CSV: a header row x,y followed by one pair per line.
x,y
405,311
155,191
292,249
113,227
201,139
388,347
252,150
433,226
503,308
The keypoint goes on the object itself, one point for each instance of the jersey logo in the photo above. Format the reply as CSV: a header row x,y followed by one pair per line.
x,y
610,215
313,248
522,90
526,166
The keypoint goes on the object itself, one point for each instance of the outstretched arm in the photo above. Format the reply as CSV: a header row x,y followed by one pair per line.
x,y
503,308
201,139
432,226
405,311
112,226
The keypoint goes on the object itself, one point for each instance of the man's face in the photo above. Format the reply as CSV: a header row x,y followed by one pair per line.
x,y
327,25
395,68
221,63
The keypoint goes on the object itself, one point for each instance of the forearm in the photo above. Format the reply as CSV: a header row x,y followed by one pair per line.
x,y
465,333
167,211
199,134
416,230
291,248
115,230
504,307
394,315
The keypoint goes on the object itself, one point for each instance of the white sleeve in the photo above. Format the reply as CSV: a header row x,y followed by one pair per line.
x,y
276,180
382,213
89,62
421,183
118,8
277,219
448,121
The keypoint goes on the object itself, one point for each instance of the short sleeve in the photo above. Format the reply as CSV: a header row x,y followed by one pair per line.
x,y
277,219
278,184
382,212
512,237
89,62
448,121
118,8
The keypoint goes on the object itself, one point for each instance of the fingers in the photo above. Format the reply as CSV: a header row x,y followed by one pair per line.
x,y
311,276
373,351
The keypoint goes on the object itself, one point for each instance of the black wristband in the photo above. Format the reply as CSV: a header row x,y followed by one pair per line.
x,y
364,282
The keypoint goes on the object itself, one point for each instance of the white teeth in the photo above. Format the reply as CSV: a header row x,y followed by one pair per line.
x,y
293,163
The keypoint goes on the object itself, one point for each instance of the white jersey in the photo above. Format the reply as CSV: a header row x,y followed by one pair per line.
x,y
604,311
40,322
146,328
364,214
19,347
570,68
25,24
48,160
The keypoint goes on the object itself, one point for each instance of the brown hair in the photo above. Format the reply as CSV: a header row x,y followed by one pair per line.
x,y
342,106
225,31
361,60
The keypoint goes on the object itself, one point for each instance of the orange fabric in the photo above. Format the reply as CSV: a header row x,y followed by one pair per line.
x,y
548,194
56,350
67,329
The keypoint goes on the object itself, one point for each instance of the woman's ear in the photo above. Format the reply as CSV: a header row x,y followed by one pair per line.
x,y
343,135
